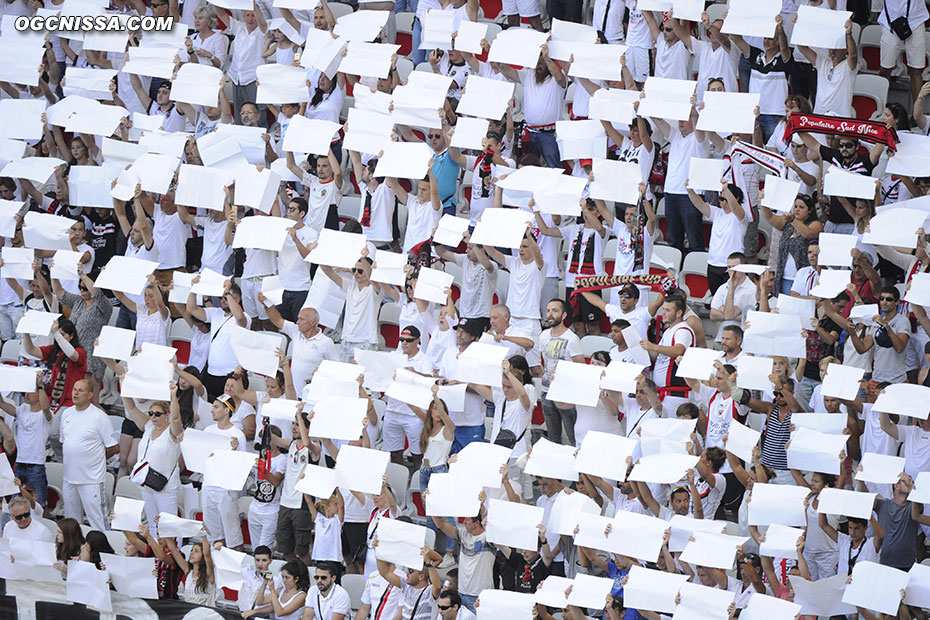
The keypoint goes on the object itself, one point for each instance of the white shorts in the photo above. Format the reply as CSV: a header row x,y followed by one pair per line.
x,y
397,427
915,47
525,8
250,288
637,61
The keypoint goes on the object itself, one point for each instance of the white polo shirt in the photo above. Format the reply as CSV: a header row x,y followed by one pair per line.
x,y
309,353
337,601
85,436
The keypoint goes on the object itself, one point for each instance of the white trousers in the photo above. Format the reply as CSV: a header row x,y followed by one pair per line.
x,y
221,516
262,527
89,500
165,500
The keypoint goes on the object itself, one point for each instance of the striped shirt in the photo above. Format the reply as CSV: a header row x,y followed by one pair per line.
x,y
777,434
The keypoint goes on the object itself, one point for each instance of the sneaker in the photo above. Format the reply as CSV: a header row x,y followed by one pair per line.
x,y
447,561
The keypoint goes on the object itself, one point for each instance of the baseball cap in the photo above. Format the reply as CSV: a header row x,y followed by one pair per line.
x,y
631,290
472,327
410,331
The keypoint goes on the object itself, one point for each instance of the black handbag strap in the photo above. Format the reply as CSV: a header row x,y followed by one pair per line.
x,y
907,13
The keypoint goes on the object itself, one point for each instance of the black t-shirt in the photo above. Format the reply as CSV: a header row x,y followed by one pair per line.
x,y
817,348
862,164
526,577
102,235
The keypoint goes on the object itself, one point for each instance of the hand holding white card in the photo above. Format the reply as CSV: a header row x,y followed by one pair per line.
x,y
904,399
849,503
698,364
842,381
780,194
400,543
552,460
776,503
880,468
512,524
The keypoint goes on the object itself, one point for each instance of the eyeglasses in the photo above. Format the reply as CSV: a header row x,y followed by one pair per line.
x,y
669,29
407,339
25,515
847,145
776,394
155,414
443,607
82,288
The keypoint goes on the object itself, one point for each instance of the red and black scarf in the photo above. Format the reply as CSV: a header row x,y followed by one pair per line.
x,y
366,211
583,265
664,283
874,132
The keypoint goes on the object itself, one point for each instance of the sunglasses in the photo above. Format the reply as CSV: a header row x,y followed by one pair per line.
x,y
626,296
156,414
320,577
358,270
82,288
668,29
407,339
291,209
433,135
847,145
25,515
444,607
886,299
776,394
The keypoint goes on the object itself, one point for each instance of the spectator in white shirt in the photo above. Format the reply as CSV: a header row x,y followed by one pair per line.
x,y
327,600
363,300
207,46
221,360
248,36
293,269
836,75
33,422
21,525
87,442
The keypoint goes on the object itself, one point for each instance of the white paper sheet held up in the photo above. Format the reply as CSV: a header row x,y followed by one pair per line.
x,y
88,586
44,231
254,351
754,18
498,604
197,445
552,460
823,597
228,469
317,481
432,285
368,59
452,495
513,525
835,250
849,503
197,84
469,35
705,174
774,334
843,382
482,461
400,543
566,511
517,46
896,226
18,379
813,451
127,514
485,97
36,323
781,541
741,440
667,98
578,384
279,84
728,112
904,399
501,228
652,589
616,180
604,455
361,469
880,468
876,587
711,549
698,601
773,503
698,364
134,577
780,194
173,526
764,607
404,160
839,182
338,417
613,104
820,27
662,468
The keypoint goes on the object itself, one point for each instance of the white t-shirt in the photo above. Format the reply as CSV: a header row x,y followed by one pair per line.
x,y
625,259
421,220
293,270
671,60
382,597
361,312
221,360
715,63
34,531
297,458
170,235
834,87
525,288
382,208
542,103
85,436
308,353
682,149
478,285
638,317
553,349
322,194
865,552
726,235
916,451
31,435
215,249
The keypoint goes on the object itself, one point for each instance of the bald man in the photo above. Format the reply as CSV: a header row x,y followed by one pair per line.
x,y
87,442
311,345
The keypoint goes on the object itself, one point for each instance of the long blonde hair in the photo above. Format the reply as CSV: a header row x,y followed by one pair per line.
x,y
429,424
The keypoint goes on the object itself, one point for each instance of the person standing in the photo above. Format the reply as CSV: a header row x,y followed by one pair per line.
x,y
87,442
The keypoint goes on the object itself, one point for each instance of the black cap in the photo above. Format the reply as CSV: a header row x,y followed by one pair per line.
x,y
472,327
630,289
411,331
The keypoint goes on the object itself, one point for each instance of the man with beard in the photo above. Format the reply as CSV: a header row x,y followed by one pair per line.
x,y
557,342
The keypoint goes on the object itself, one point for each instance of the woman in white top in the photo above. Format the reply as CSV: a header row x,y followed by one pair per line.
x,y
206,47
513,402
287,599
435,438
601,417
158,452
153,320
199,586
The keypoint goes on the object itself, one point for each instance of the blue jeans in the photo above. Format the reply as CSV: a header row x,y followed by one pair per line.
x,y
126,319
768,122
547,149
469,601
29,473
464,435
786,285
443,543
416,54
556,420
683,219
